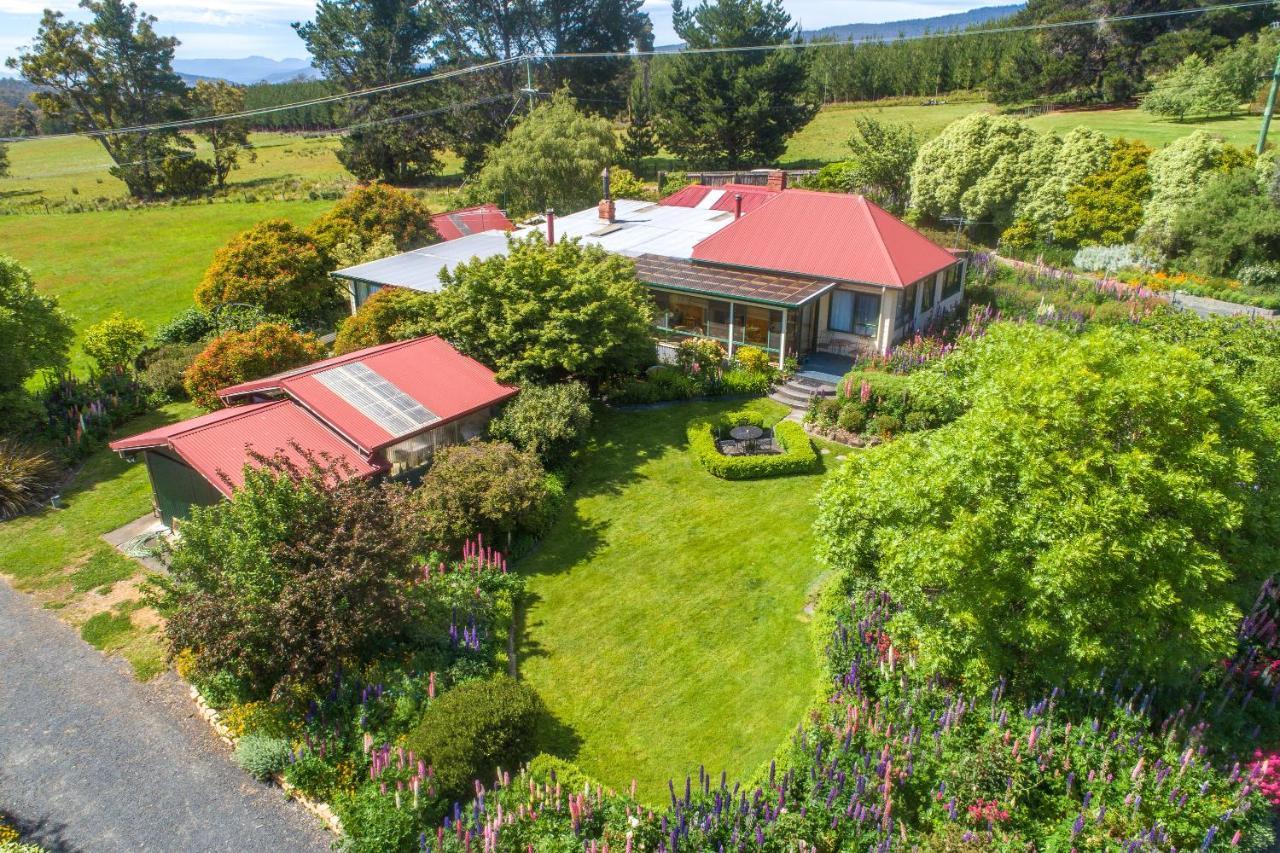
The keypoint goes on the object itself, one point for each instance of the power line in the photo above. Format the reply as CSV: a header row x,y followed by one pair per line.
x,y
460,105
551,57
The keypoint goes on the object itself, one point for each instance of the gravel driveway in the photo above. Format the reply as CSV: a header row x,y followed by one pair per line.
x,y
92,760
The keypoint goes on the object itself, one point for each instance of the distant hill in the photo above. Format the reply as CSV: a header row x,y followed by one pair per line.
x,y
909,27
915,26
251,69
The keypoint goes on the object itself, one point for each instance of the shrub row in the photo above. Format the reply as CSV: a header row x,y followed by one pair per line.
x,y
798,456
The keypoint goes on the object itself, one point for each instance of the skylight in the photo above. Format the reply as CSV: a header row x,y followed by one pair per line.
x,y
376,398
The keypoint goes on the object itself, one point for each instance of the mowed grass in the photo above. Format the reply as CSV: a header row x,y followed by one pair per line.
x,y
824,140
668,623
144,262
58,555
76,168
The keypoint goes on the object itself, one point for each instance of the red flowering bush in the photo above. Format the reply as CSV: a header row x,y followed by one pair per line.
x,y
240,356
1264,770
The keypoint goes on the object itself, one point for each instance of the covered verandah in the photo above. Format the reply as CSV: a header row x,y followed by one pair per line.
x,y
784,315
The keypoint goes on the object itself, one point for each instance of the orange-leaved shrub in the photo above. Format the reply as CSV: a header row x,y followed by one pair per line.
x,y
276,267
240,356
371,211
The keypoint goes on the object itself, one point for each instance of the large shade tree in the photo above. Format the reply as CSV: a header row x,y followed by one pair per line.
x,y
477,33
113,71
553,158
1107,501
359,44
976,168
732,109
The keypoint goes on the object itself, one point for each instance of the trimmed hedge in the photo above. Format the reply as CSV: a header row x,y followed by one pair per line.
x,y
798,456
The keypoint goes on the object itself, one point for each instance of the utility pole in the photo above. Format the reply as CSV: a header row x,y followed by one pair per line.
x,y
1271,102
528,82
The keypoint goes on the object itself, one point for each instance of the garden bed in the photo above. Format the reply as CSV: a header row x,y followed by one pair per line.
x,y
794,452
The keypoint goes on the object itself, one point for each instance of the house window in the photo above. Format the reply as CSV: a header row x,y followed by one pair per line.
x,y
906,306
854,313
951,281
930,289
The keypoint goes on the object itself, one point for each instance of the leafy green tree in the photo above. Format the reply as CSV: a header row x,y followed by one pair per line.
x,y
229,140
977,167
731,110
1193,88
1178,171
302,572
545,313
1229,223
371,212
111,72
640,140
1106,501
1106,207
1068,161
883,154
481,487
115,342
273,266
360,44
34,335
478,33
4,160
552,158
549,421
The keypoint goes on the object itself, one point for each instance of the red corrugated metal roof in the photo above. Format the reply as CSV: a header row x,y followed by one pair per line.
x,y
429,370
830,235
217,445
453,224
695,194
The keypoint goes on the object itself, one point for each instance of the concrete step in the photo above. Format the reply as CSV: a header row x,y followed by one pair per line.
x,y
789,402
792,396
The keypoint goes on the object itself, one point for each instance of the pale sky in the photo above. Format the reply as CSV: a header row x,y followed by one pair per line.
x,y
238,28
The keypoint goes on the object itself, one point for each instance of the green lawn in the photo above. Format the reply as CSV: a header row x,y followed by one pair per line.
x,y
823,140
57,555
145,262
667,627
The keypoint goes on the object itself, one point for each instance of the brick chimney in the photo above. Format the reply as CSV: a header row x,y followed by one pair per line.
x,y
608,210
777,181
551,226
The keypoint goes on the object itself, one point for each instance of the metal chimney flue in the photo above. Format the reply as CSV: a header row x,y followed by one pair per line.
x,y
737,205
551,226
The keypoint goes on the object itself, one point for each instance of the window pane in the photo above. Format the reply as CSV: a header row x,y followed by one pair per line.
x,y
906,305
841,319
867,314
926,301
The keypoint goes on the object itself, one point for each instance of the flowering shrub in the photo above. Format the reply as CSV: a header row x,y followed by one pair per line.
x,y
372,211
1111,259
80,412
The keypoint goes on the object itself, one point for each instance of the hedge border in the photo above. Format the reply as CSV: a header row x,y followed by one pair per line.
x,y
798,456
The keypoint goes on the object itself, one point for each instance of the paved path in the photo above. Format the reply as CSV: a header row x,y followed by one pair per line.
x,y
92,760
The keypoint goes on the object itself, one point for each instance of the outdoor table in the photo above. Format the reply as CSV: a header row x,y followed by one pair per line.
x,y
746,433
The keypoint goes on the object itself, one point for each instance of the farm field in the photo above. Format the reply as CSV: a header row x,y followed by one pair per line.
x,y
145,262
823,140
57,555
667,627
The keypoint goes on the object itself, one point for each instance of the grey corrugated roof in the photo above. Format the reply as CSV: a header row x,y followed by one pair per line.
x,y
640,228
420,268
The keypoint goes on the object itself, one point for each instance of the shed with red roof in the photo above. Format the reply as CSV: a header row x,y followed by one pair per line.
x,y
380,410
